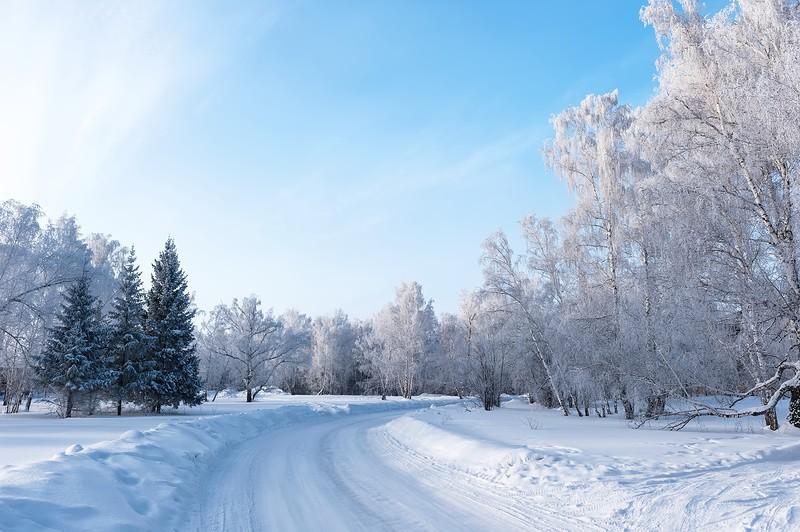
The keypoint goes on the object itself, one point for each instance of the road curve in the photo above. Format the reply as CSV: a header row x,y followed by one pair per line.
x,y
345,473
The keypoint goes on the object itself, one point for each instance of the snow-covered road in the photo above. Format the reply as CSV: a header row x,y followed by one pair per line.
x,y
346,473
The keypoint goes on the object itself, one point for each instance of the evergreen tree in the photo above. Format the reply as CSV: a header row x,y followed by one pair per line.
x,y
74,360
175,367
128,342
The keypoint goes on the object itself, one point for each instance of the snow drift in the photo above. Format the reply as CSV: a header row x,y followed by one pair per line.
x,y
498,461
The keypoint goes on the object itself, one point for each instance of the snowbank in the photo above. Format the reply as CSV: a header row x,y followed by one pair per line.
x,y
721,475
473,455
494,460
137,481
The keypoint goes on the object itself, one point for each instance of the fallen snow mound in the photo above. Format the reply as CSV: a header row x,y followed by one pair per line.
x,y
137,481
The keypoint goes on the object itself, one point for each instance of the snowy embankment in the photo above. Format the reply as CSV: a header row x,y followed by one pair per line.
x,y
137,481
39,434
719,475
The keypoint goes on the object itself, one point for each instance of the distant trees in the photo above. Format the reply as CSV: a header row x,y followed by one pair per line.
x,y
333,343
406,331
512,294
396,352
255,343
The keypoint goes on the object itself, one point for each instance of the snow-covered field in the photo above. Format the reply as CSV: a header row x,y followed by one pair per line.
x,y
357,463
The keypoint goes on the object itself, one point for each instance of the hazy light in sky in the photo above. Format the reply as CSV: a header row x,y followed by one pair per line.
x,y
314,153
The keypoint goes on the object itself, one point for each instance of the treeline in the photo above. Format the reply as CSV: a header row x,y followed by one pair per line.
x,y
244,347
675,274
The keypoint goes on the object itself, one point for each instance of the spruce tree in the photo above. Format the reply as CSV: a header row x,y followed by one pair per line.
x,y
128,342
175,367
74,361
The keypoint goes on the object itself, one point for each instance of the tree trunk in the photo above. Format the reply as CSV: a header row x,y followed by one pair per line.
x,y
119,407
656,406
575,405
794,408
68,410
28,401
628,406
249,395
771,419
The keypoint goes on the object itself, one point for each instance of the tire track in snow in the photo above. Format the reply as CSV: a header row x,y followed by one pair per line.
x,y
744,496
524,510
334,474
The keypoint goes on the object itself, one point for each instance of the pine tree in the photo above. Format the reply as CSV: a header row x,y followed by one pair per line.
x,y
175,375
74,359
128,342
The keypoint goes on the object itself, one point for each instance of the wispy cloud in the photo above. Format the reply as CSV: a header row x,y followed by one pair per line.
x,y
80,80
334,204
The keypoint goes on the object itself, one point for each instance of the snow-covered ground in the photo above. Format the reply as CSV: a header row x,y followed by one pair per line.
x,y
357,463
714,475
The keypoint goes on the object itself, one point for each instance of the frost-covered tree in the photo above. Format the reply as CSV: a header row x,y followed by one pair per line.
x,y
376,362
407,333
333,348
514,292
107,262
174,373
588,151
493,344
36,261
709,132
256,343
454,355
74,363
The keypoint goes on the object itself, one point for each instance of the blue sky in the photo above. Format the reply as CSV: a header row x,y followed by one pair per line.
x,y
314,153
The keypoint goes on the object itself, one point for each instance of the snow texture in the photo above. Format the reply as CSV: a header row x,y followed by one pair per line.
x,y
357,463
137,481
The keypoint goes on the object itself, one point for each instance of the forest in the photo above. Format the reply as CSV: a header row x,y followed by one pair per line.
x,y
674,277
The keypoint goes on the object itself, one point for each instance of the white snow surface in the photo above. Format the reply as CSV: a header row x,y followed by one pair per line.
x,y
714,475
141,479
358,463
